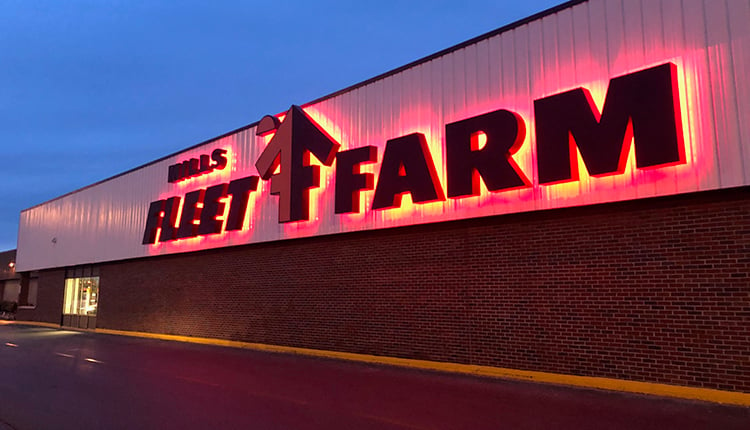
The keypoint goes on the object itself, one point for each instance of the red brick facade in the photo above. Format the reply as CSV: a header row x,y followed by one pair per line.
x,y
653,290
51,288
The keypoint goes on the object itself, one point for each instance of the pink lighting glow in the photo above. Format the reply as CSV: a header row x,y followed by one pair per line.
x,y
260,223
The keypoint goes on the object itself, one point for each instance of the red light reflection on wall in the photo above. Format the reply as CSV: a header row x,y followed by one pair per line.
x,y
210,178
191,184
318,196
408,210
421,118
523,161
625,185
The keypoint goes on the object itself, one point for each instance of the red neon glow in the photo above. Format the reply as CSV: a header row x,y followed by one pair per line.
x,y
216,176
261,223
623,185
478,140
184,186
317,196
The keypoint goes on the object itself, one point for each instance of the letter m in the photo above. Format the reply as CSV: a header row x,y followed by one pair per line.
x,y
642,107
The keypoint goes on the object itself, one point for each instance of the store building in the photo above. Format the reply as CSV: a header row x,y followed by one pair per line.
x,y
567,194
15,290
10,280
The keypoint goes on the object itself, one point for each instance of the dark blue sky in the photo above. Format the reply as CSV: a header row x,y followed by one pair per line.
x,y
89,89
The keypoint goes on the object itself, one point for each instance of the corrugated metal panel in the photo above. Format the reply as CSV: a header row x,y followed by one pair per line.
x,y
583,46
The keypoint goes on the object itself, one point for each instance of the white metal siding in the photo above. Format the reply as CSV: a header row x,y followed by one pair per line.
x,y
582,46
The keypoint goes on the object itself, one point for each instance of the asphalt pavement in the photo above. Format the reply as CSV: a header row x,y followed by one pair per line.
x,y
60,379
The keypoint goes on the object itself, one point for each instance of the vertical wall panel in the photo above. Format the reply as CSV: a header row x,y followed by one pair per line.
x,y
700,80
739,33
722,91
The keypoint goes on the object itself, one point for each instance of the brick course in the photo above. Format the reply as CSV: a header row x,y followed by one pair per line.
x,y
50,291
653,290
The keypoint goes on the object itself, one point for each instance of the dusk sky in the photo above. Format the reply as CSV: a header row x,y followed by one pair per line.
x,y
89,89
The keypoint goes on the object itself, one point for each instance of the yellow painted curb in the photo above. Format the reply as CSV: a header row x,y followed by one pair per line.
x,y
36,323
690,393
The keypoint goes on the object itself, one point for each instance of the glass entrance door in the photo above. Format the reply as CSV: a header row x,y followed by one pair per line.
x,y
81,299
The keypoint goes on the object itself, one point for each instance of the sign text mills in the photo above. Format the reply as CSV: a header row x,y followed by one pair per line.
x,y
642,107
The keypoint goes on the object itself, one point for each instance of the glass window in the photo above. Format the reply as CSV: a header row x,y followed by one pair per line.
x,y
81,296
33,289
27,299
70,294
11,291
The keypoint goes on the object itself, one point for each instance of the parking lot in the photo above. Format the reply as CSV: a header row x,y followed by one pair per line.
x,y
63,379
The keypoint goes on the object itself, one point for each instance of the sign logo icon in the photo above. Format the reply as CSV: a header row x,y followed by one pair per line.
x,y
295,139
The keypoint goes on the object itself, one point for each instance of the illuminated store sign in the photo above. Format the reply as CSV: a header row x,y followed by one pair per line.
x,y
641,107
198,166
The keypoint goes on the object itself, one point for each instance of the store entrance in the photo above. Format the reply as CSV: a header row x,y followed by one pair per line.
x,y
81,297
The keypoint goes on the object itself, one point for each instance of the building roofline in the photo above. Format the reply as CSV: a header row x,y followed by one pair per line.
x,y
492,33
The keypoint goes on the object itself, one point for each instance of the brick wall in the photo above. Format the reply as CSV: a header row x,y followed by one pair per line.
x,y
51,288
654,290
